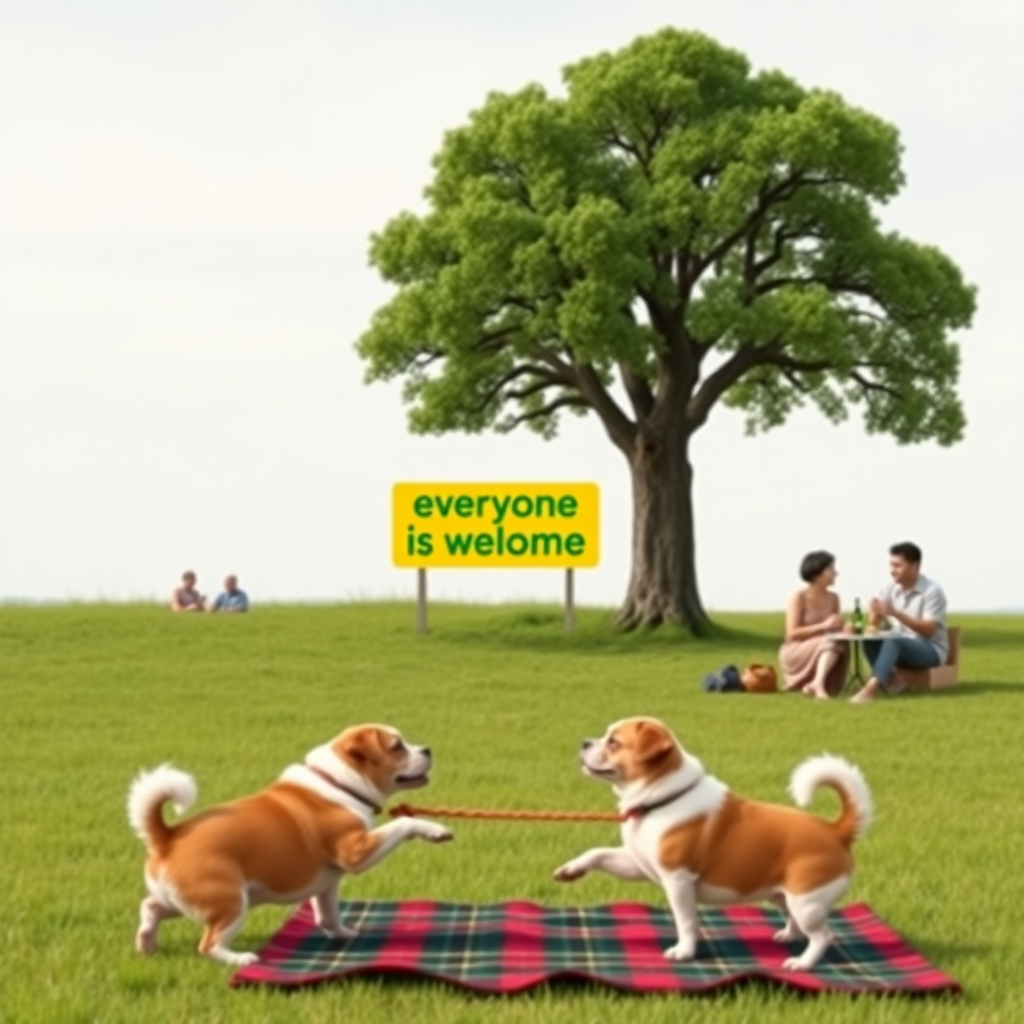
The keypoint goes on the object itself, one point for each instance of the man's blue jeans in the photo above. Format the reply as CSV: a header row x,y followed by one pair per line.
x,y
899,651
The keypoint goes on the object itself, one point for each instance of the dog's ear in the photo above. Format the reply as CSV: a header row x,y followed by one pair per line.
x,y
652,743
352,751
360,747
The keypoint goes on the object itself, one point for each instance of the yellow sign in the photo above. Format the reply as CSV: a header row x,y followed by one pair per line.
x,y
500,526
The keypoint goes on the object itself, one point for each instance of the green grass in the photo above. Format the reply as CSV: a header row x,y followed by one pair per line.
x,y
91,693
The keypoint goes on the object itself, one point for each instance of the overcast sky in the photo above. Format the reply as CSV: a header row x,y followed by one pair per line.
x,y
186,195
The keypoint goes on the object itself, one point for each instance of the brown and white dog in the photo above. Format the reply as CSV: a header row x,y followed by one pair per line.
x,y
292,841
685,831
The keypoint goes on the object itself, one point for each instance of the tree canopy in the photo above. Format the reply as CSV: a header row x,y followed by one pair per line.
x,y
673,206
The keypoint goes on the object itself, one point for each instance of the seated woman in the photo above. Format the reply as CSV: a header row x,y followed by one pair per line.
x,y
186,598
810,661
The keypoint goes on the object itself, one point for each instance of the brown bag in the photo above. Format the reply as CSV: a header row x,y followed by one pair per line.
x,y
759,679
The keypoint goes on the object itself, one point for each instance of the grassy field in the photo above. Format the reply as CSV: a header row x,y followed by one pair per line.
x,y
91,693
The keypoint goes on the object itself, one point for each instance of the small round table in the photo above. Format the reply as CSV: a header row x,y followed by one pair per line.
x,y
857,639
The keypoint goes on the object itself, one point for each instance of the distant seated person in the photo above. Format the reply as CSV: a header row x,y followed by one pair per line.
x,y
912,607
232,599
186,598
811,660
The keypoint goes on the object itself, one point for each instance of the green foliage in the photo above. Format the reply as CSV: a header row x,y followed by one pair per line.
x,y
94,693
682,225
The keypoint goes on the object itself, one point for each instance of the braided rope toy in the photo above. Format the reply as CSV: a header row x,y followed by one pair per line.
x,y
408,811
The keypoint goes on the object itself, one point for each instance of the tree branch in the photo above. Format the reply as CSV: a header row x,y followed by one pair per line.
x,y
614,140
834,284
683,353
780,237
785,362
617,424
487,342
797,383
530,389
421,360
593,393
565,371
637,389
749,356
546,410
716,384
875,385
783,190
545,377
513,173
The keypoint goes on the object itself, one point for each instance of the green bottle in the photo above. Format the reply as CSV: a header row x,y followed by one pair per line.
x,y
857,618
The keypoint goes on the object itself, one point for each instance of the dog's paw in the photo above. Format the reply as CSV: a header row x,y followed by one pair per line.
x,y
338,931
228,956
434,833
233,959
570,872
795,963
805,962
681,951
145,942
788,934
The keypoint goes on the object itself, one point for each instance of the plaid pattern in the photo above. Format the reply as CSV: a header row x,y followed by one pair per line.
x,y
510,947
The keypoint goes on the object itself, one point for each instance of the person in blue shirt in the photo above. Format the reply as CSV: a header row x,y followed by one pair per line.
x,y
232,599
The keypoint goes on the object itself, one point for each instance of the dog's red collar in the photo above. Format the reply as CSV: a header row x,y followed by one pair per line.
x,y
644,809
351,792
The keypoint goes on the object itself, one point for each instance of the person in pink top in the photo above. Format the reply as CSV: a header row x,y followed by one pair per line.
x,y
811,661
187,598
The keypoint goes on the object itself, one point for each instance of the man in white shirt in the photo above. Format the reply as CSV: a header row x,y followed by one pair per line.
x,y
914,607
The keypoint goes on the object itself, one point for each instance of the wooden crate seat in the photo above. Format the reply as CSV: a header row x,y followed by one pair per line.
x,y
945,675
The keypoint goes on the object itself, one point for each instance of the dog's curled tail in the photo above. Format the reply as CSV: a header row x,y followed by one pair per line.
x,y
146,799
846,779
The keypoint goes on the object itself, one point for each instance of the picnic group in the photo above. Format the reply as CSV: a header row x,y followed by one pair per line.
x,y
187,598
903,632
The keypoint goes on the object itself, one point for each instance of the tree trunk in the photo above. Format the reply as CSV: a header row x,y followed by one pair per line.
x,y
663,580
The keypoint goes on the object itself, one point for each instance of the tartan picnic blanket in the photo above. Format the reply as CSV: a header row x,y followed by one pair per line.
x,y
511,947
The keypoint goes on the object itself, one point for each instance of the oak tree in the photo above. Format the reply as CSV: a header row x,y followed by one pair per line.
x,y
674,233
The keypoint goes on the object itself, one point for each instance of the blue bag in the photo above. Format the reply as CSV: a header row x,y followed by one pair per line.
x,y
725,680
